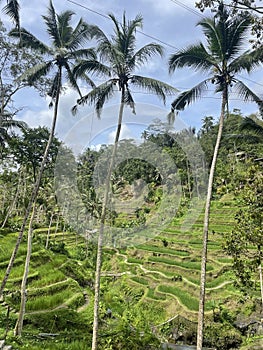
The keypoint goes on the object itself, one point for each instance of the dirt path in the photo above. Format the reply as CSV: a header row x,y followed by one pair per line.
x,y
86,298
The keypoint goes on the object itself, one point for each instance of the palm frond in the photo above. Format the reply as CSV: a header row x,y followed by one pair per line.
x,y
84,53
91,66
110,53
33,74
171,116
157,87
12,10
128,31
116,23
107,49
189,96
224,33
64,28
4,137
128,100
71,78
194,56
237,32
97,33
52,25
248,95
124,39
132,26
81,34
143,54
55,87
248,124
88,81
247,61
11,123
6,123
213,37
97,96
28,40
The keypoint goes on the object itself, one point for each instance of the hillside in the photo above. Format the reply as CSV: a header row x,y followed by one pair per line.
x,y
155,281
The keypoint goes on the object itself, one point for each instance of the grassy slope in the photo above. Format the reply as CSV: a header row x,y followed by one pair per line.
x,y
166,277
170,275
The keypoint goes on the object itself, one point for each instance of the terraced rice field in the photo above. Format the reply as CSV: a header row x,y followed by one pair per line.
x,y
165,268
51,281
169,272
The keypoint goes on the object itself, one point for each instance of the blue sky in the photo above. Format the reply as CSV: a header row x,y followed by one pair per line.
x,y
170,22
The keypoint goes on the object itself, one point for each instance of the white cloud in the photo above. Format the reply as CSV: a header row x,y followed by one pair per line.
x,y
40,118
126,133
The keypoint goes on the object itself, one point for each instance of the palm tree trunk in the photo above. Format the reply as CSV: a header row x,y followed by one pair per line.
x,y
35,190
49,229
12,205
261,284
101,231
260,274
20,320
206,225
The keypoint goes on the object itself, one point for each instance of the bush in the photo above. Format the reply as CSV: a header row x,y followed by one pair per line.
x,y
222,336
59,248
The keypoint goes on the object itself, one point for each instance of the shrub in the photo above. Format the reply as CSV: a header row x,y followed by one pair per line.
x,y
222,336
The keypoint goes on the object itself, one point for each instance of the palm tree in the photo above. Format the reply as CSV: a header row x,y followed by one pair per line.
x,y
66,48
121,60
222,59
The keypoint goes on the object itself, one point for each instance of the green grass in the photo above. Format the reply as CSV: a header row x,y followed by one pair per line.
x,y
49,302
50,289
184,264
134,261
163,250
185,298
140,280
155,296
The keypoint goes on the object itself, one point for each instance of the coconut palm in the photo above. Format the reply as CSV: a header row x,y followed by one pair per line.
x,y
222,58
121,59
65,49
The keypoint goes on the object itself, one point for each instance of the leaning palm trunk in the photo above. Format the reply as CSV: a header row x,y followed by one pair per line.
x,y
12,205
22,310
260,275
261,284
101,231
49,229
35,190
206,225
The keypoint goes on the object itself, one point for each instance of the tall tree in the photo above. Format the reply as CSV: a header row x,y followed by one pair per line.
x,y
121,61
28,148
222,59
66,47
13,61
